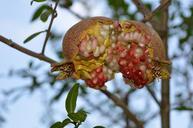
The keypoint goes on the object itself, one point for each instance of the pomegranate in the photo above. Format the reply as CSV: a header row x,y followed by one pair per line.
x,y
98,47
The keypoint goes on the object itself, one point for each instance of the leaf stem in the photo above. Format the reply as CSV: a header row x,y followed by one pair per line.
x,y
76,125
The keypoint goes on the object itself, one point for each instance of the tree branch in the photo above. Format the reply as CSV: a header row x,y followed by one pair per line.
x,y
125,100
165,88
153,116
75,14
121,104
25,50
54,14
153,95
165,91
141,7
152,14
148,14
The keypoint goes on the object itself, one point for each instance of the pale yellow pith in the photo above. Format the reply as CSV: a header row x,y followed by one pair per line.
x,y
83,67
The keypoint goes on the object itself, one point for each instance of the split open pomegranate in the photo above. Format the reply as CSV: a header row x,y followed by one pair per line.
x,y
98,47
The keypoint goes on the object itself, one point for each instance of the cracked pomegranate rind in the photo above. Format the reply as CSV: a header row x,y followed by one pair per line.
x,y
99,47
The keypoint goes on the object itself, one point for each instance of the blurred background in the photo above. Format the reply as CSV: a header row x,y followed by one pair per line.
x,y
30,97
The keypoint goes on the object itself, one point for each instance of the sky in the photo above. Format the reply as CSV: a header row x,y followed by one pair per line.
x,y
15,24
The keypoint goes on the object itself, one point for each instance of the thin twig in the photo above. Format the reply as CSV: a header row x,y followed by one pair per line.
x,y
148,14
153,95
49,27
141,7
125,100
75,14
159,8
25,50
153,116
122,105
145,11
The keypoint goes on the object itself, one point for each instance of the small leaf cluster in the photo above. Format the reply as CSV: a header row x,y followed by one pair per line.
x,y
43,12
74,117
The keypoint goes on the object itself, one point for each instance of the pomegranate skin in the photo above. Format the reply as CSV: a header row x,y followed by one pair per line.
x,y
99,47
73,36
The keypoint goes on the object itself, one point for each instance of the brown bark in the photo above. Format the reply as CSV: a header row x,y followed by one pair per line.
x,y
165,88
124,107
25,50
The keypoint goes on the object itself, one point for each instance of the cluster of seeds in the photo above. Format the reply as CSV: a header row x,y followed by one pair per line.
x,y
90,47
98,78
127,52
134,65
107,47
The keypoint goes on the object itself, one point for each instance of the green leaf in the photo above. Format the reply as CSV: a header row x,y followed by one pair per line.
x,y
66,4
61,124
183,108
54,36
98,127
32,36
44,16
40,10
80,116
57,125
66,122
71,99
119,7
37,1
